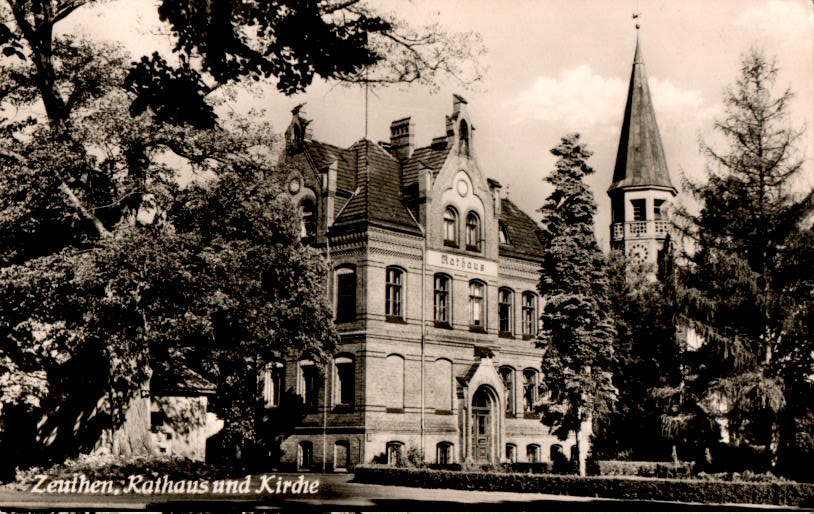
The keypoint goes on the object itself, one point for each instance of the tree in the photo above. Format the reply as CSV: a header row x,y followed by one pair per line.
x,y
646,352
577,334
742,288
111,264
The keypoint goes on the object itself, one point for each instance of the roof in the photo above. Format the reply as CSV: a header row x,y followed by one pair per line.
x,y
378,197
640,158
425,158
174,378
524,234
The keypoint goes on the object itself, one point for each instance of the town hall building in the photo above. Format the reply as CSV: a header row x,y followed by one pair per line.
x,y
433,280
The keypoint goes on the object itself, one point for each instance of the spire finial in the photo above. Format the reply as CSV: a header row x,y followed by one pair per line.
x,y
636,15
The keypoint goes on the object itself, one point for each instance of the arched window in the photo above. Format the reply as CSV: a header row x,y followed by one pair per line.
x,y
529,321
309,219
394,293
273,383
393,376
505,304
533,452
305,456
477,311
345,294
341,454
511,452
344,386
530,384
507,374
308,384
441,386
556,454
451,227
463,138
441,303
473,238
394,453
443,453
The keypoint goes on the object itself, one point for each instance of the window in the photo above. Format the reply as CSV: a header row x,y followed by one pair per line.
x,y
341,453
309,219
503,234
394,457
441,386
305,455
443,453
477,315
451,227
507,374
556,454
533,452
639,206
308,385
529,390
343,381
394,282
273,379
473,232
345,294
511,452
441,302
529,321
657,206
505,308
393,377
463,138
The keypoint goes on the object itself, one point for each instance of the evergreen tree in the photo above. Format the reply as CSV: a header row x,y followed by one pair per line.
x,y
646,355
577,333
736,288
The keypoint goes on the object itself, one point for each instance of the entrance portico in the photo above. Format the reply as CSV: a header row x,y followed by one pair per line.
x,y
482,419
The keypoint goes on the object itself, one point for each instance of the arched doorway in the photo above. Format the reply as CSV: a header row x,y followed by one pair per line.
x,y
484,424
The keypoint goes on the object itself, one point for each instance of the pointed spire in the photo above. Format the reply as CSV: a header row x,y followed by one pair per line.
x,y
640,158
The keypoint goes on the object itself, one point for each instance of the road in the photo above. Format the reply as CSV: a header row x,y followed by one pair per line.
x,y
336,492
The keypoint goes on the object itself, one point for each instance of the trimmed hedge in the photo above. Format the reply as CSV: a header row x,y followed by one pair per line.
x,y
634,488
640,468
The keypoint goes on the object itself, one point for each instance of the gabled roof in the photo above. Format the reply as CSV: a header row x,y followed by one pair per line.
x,y
640,158
425,158
174,378
524,234
378,197
325,154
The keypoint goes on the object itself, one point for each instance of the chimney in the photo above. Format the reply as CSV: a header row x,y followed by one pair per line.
x,y
457,100
402,138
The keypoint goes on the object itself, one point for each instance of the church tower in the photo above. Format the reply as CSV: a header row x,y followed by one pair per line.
x,y
641,182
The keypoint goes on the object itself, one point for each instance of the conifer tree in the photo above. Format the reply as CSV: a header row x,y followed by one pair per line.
x,y
736,288
577,333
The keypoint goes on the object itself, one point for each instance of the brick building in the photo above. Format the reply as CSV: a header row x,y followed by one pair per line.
x,y
416,238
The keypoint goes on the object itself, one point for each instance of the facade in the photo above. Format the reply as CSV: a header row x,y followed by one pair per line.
x,y
641,188
434,280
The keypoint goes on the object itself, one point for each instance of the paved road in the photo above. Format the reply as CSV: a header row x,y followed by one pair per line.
x,y
337,491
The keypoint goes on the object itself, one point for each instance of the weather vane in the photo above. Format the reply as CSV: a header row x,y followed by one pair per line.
x,y
636,15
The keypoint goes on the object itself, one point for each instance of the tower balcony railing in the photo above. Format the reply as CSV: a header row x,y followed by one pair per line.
x,y
637,229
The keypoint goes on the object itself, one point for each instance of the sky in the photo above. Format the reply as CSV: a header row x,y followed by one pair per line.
x,y
552,67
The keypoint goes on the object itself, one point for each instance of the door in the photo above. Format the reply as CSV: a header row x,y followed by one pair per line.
x,y
341,457
483,436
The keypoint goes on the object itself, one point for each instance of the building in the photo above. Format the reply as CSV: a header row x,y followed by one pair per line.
x,y
641,186
434,279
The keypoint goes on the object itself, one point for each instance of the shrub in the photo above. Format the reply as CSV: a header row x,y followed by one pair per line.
x,y
645,469
633,488
108,467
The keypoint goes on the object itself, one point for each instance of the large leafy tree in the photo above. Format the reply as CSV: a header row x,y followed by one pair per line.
x,y
577,334
110,265
746,286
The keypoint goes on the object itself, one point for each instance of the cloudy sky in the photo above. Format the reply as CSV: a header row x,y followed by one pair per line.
x,y
552,67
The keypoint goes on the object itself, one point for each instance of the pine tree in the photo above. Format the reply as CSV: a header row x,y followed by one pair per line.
x,y
577,333
749,310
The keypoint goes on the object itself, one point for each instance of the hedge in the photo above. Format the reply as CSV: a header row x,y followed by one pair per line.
x,y
634,488
639,468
